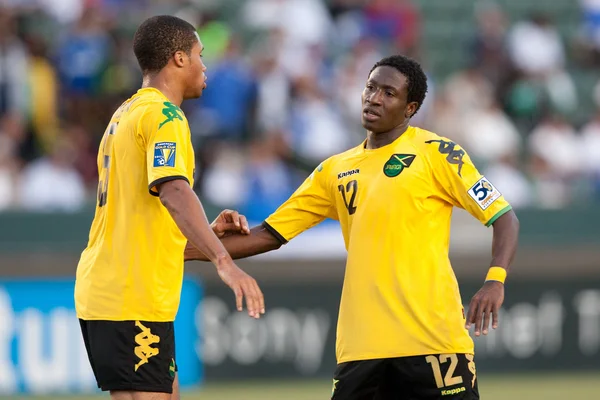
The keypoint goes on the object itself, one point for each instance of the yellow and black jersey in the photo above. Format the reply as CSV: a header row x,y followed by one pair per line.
x,y
400,295
132,268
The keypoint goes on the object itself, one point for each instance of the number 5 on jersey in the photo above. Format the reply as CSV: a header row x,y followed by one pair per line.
x,y
351,188
104,172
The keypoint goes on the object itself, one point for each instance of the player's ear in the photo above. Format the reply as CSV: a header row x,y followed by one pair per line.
x,y
411,109
179,58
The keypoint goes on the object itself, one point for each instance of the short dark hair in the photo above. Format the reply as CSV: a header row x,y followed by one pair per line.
x,y
417,80
158,38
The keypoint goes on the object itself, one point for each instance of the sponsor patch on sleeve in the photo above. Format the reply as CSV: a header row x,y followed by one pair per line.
x,y
164,154
484,193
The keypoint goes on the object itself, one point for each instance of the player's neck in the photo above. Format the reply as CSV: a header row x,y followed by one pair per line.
x,y
167,88
377,140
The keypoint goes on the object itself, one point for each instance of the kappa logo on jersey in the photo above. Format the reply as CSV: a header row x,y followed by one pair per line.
x,y
172,112
396,164
164,154
454,155
484,193
348,173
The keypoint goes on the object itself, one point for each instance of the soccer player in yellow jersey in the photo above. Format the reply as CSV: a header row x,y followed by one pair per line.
x,y
401,333
130,275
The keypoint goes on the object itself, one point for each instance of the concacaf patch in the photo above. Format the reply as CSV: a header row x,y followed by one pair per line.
x,y
484,193
164,154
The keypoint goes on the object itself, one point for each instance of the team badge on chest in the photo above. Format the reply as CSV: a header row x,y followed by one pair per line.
x,y
396,164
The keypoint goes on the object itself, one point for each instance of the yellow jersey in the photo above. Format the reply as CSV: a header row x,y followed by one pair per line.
x,y
400,296
132,268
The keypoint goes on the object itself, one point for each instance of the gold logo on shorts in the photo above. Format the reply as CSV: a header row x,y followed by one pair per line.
x,y
144,340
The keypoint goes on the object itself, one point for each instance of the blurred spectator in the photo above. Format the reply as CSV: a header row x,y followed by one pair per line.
x,y
536,50
84,158
555,141
590,135
11,133
535,46
83,54
51,183
488,46
317,131
304,22
274,92
285,80
555,161
226,108
468,91
43,96
395,23
510,181
13,67
489,135
589,41
64,11
444,118
304,26
223,181
268,179
8,174
352,72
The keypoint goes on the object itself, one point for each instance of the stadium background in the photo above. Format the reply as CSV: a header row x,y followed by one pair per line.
x,y
516,82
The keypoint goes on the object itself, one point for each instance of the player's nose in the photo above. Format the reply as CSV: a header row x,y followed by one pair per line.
x,y
374,98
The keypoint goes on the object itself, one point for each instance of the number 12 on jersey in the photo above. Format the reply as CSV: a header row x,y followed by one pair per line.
x,y
104,172
351,188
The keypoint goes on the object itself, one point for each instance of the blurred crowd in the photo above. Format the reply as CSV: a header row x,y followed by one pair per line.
x,y
285,79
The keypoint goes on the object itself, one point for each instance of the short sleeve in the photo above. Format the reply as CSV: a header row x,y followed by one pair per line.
x,y
461,183
310,204
167,141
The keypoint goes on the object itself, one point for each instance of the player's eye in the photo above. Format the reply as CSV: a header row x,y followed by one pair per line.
x,y
369,86
389,94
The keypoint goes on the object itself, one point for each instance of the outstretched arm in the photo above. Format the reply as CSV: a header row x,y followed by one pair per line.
x,y
184,206
239,245
309,205
488,300
504,241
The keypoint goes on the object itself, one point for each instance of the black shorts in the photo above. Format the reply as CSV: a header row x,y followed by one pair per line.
x,y
434,377
131,355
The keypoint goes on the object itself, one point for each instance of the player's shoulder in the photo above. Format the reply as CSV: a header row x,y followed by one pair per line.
x,y
338,159
432,145
151,104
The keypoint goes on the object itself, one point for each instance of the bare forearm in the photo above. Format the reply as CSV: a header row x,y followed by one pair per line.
x,y
188,213
238,245
504,242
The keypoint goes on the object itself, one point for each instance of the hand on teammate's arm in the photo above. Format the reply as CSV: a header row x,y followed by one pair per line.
x,y
239,243
187,211
487,301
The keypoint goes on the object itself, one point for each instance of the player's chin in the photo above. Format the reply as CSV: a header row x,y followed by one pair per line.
x,y
194,94
373,126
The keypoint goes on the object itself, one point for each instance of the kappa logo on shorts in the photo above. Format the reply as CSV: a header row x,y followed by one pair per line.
x,y
484,193
335,382
144,340
164,154
172,368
